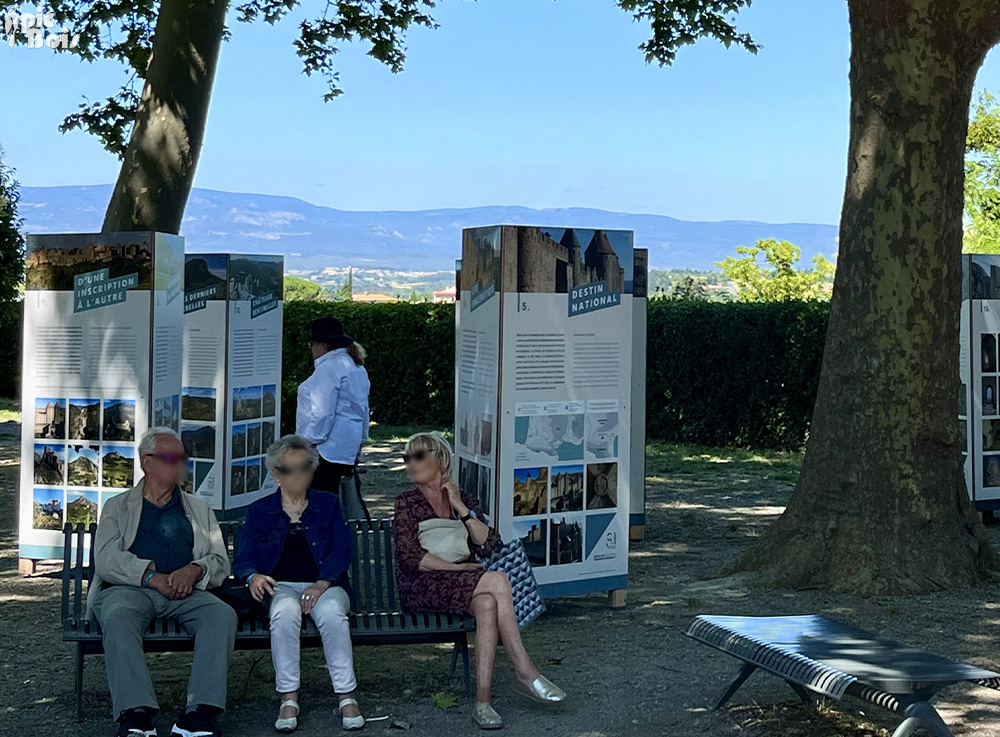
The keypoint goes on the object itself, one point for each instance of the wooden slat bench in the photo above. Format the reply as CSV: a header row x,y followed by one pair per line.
x,y
377,619
815,655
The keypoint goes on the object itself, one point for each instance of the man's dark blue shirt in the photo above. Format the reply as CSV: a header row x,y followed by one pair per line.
x,y
165,535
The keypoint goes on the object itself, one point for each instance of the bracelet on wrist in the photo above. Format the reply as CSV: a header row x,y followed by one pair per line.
x,y
147,578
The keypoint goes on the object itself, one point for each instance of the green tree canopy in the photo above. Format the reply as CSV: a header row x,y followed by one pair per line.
x,y
982,178
11,279
11,237
777,279
302,290
343,293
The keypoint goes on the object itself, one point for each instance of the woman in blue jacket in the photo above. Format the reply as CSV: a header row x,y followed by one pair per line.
x,y
296,548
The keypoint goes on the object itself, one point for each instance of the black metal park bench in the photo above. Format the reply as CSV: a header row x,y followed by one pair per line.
x,y
377,619
815,655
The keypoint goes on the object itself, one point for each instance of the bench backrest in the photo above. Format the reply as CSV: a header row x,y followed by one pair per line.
x,y
372,572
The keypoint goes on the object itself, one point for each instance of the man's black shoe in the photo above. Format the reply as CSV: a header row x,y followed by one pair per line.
x,y
136,723
197,723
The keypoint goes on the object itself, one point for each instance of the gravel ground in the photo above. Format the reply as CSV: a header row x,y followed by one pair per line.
x,y
628,672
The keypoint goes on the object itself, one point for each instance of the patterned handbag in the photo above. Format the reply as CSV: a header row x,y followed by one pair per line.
x,y
512,560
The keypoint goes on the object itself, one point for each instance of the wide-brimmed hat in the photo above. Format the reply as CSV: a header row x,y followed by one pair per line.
x,y
329,330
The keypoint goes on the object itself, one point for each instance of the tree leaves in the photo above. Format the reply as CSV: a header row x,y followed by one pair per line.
x,y
380,24
982,178
111,120
297,289
11,279
11,237
782,281
677,23
444,700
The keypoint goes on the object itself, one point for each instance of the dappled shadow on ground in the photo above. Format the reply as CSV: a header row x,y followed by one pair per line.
x,y
796,720
629,672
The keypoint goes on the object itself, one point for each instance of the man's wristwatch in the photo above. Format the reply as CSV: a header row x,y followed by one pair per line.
x,y
471,515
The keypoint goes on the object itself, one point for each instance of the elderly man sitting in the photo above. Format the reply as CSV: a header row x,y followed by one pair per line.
x,y
155,552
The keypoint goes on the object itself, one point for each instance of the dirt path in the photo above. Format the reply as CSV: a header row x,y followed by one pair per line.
x,y
629,672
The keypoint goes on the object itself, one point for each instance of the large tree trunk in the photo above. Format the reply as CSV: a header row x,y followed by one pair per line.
x,y
881,504
162,154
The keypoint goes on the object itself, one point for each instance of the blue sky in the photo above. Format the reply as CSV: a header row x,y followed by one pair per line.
x,y
510,102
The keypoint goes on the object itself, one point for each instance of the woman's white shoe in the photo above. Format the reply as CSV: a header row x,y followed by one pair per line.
x,y
351,724
288,724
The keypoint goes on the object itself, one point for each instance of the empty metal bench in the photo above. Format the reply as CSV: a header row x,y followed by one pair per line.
x,y
376,620
815,655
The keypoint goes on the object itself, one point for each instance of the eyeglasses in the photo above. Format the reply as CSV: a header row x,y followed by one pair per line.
x,y
415,456
289,470
170,458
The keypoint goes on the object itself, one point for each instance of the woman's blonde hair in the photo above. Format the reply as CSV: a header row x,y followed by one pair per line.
x,y
357,352
435,443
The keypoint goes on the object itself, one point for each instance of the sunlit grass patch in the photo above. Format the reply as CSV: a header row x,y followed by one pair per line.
x,y
668,463
10,410
399,433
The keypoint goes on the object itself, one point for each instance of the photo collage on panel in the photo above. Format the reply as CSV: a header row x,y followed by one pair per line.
x,y
991,412
963,419
474,443
574,485
255,425
198,433
84,454
167,412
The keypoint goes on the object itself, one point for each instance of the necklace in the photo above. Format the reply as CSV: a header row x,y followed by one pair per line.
x,y
294,510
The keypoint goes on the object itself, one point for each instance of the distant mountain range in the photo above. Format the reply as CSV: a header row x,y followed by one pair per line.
x,y
313,237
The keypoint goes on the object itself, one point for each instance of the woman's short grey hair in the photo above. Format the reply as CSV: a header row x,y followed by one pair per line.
x,y
437,446
147,443
287,444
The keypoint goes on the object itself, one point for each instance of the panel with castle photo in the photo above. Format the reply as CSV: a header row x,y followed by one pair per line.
x,y
480,258
553,260
256,276
52,261
50,418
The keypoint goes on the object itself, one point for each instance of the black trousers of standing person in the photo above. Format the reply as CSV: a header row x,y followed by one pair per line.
x,y
328,475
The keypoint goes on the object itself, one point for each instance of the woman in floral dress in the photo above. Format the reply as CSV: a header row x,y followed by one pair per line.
x,y
428,583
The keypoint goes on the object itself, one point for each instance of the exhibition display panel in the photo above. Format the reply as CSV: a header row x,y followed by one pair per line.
x,y
979,411
637,484
544,395
101,361
231,394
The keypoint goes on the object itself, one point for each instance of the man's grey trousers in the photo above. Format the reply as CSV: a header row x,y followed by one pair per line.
x,y
125,613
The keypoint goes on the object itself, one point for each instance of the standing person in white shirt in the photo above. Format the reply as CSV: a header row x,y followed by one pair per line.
x,y
333,403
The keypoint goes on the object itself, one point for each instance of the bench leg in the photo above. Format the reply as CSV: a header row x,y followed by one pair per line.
x,y
907,728
462,648
803,693
745,672
78,680
466,671
454,659
922,714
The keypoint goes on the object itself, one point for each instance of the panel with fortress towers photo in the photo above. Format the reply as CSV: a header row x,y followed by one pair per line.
x,y
553,260
53,262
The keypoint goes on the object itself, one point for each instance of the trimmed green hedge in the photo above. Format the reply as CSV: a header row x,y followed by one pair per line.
x,y
724,374
10,357
411,358
733,374
728,374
